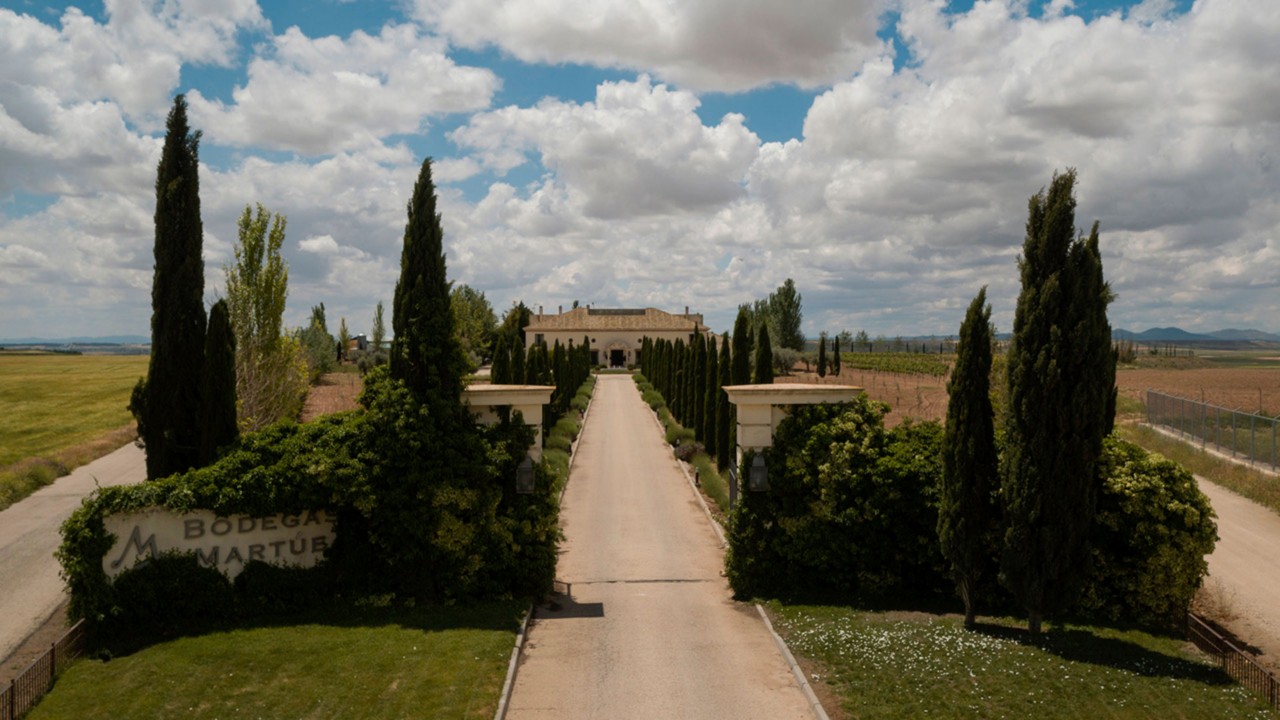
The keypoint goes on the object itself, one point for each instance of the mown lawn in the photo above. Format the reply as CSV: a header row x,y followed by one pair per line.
x,y
419,663
914,665
53,402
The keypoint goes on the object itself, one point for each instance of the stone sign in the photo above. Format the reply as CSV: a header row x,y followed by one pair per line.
x,y
223,543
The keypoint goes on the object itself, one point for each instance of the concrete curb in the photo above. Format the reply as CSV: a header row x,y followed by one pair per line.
x,y
814,703
505,699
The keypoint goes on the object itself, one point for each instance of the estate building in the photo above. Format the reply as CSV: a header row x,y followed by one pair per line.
x,y
615,334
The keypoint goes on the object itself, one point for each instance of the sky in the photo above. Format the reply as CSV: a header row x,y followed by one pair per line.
x,y
665,153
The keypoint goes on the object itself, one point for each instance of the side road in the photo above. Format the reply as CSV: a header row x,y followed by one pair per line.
x,y
649,628
30,587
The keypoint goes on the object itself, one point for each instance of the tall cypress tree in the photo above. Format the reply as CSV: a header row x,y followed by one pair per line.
x,y
519,362
742,347
764,357
967,513
822,355
712,388
1061,376
218,386
425,353
500,370
171,409
698,388
724,409
835,357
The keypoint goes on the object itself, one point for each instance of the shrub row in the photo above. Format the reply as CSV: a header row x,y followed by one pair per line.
x,y
852,512
559,442
425,511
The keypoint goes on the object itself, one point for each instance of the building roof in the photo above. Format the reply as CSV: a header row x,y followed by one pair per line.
x,y
584,319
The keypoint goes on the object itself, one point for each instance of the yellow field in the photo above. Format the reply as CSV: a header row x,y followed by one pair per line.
x,y
54,402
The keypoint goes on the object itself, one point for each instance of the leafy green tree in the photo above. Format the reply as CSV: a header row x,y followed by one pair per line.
x,y
786,316
1060,365
425,353
218,385
344,337
476,323
822,355
967,513
764,358
861,343
171,413
377,331
514,321
271,376
724,409
317,345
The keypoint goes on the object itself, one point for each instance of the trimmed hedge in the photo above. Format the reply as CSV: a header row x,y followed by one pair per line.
x,y
425,510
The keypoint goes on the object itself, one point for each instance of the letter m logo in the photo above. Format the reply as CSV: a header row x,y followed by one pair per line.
x,y
142,549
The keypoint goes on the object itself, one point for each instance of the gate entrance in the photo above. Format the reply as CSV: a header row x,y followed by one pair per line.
x,y
617,358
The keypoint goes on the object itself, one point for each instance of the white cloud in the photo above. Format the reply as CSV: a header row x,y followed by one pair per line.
x,y
698,44
323,95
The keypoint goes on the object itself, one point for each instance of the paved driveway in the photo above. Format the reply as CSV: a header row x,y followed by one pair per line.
x,y
30,585
650,629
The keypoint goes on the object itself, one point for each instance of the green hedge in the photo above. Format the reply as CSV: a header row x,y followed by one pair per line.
x,y
426,508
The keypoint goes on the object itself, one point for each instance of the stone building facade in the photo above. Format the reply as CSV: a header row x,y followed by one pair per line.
x,y
615,334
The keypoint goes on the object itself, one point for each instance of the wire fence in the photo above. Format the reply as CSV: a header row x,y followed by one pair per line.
x,y
1245,435
1238,664
31,684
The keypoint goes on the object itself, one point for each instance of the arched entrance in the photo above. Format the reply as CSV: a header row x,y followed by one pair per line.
x,y
617,354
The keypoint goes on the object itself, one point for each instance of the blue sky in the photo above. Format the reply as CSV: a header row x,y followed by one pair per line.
x,y
639,152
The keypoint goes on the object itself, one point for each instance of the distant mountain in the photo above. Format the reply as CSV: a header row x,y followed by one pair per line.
x,y
1234,334
81,340
1173,334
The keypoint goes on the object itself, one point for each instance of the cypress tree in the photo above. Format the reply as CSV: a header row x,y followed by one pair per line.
x,y
835,357
171,412
698,388
519,361
822,355
764,357
425,352
712,384
1061,377
724,409
742,348
967,513
560,378
678,380
500,371
218,388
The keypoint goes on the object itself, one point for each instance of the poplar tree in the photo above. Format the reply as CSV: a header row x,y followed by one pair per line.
x,y
1061,378
425,353
967,513
724,409
822,355
218,385
378,331
764,357
170,413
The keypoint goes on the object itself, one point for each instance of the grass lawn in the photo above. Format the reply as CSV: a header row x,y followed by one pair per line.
x,y
390,663
913,665
61,411
55,401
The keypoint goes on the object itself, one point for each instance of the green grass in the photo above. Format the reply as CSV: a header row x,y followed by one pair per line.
x,y
423,662
53,402
912,665
1259,487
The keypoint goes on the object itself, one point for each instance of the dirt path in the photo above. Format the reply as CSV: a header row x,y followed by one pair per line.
x,y
649,629
1244,570
31,588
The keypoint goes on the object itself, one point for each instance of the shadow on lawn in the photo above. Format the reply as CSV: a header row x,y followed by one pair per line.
x,y
1086,646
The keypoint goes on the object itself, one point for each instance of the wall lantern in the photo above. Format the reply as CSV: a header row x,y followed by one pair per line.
x,y
524,476
758,477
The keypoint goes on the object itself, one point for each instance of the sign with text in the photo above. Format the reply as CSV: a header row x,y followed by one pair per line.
x,y
223,543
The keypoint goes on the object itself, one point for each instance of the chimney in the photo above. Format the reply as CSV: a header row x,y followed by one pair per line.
x,y
686,311
539,312
560,310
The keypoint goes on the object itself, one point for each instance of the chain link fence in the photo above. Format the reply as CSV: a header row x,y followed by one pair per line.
x,y
1244,435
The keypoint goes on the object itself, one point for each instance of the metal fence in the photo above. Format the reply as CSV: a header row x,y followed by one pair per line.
x,y
31,684
1238,664
1249,436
